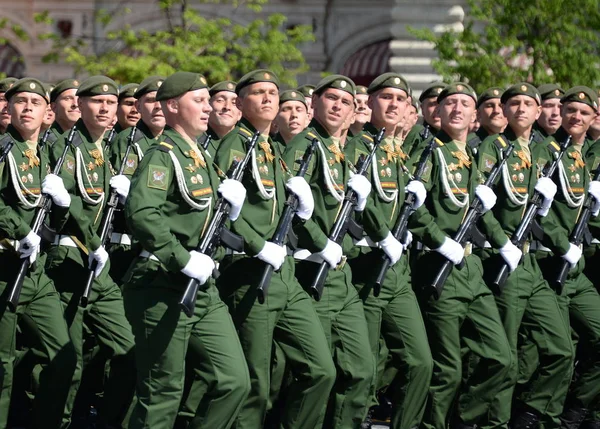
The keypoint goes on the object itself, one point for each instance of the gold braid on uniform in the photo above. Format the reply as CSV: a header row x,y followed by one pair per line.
x,y
84,195
20,189
183,189
515,196
266,194
329,181
572,200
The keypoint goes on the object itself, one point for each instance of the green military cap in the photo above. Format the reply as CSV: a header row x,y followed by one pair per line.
x,y
388,80
256,76
306,90
226,85
336,81
550,90
97,85
128,90
28,84
179,83
457,88
433,90
489,94
149,84
292,95
581,94
522,88
360,89
62,86
7,83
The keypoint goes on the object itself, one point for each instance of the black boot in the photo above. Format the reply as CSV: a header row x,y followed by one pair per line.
x,y
525,420
572,417
366,424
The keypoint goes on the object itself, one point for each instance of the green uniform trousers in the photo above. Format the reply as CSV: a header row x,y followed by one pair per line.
x,y
163,334
105,317
288,317
467,312
40,303
342,316
527,298
395,316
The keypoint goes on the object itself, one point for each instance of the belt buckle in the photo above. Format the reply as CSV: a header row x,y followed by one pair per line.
x,y
468,249
526,246
342,263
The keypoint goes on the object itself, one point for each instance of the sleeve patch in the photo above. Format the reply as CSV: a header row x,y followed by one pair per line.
x,y
131,163
427,171
158,177
487,162
298,156
595,163
69,164
235,155
357,154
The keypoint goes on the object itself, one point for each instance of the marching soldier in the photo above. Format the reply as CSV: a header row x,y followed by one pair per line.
x,y
526,297
88,178
339,308
394,314
489,114
431,121
307,90
287,315
22,176
362,111
292,118
224,116
452,181
63,100
5,84
549,121
127,113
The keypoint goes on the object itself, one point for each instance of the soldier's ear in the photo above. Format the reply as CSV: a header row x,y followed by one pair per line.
x,y
172,105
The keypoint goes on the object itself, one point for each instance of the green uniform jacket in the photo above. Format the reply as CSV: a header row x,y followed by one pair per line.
x,y
561,219
143,141
260,214
156,212
213,145
324,166
439,216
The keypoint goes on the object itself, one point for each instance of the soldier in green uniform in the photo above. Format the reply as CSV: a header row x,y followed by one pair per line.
x,y
292,118
526,297
287,315
489,114
224,116
362,111
171,200
88,177
307,90
395,313
64,104
431,121
127,113
579,298
340,309
23,178
5,84
49,116
452,181
549,121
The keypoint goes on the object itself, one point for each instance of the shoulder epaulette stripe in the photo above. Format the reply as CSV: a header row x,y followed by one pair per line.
x,y
368,138
554,145
438,142
245,132
311,135
501,140
165,147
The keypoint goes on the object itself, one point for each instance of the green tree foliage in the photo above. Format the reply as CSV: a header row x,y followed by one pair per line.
x,y
507,41
215,47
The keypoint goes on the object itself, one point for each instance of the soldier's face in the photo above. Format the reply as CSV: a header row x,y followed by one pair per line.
x,y
332,108
363,110
411,117
388,107
550,119
259,102
27,112
98,111
521,111
151,112
595,126
66,107
193,110
225,113
48,117
4,113
456,113
577,118
127,114
310,108
292,118
430,112
491,117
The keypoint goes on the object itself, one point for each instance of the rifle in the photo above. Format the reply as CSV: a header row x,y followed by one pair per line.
x,y
402,221
107,220
5,149
341,225
472,216
45,138
285,222
110,138
206,142
577,234
38,221
209,243
525,226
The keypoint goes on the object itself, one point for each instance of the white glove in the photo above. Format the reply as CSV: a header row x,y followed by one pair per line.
x,y
101,257
121,184
361,185
594,190
53,185
418,189
306,203
407,239
392,248
235,194
511,254
199,267
332,253
487,197
451,250
29,246
272,254
547,188
573,255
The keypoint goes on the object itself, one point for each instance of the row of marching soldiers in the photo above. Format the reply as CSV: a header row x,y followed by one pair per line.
x,y
295,323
